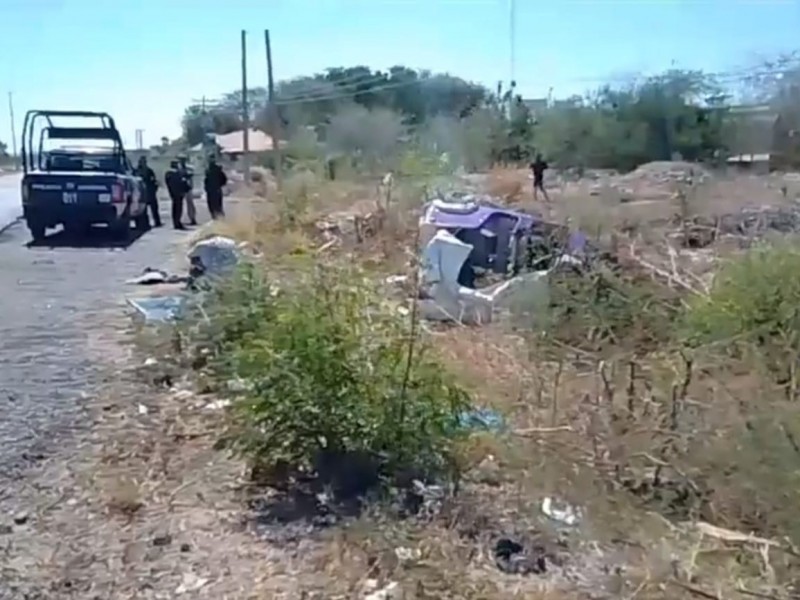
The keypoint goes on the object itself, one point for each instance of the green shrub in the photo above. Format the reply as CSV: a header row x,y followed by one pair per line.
x,y
331,369
754,305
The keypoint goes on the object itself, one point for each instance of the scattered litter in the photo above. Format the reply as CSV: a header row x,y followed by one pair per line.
x,y
162,540
424,501
150,361
217,256
407,554
143,409
484,419
391,591
191,583
238,385
511,557
563,513
218,404
152,276
158,308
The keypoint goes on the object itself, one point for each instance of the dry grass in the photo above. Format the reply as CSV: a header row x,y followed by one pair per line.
x,y
567,440
150,473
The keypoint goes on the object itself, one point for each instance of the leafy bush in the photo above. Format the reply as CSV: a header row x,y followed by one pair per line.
x,y
330,370
754,305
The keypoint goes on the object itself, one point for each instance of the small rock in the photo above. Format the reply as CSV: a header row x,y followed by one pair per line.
x,y
21,518
162,540
150,362
185,547
143,409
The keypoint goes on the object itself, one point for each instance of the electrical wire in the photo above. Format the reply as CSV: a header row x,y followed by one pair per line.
x,y
722,77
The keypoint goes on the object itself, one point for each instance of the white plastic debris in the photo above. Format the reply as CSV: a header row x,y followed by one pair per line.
x,y
563,513
407,554
218,255
218,404
191,583
150,361
143,409
391,591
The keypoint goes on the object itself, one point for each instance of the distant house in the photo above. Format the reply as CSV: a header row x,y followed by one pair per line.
x,y
536,106
764,137
231,145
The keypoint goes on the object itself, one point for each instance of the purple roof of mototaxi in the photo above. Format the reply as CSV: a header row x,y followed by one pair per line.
x,y
477,218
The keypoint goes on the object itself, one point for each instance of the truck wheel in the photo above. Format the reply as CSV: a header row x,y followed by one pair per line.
x,y
142,221
122,228
38,230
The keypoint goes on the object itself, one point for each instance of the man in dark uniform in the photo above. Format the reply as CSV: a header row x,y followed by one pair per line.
x,y
177,188
214,181
538,167
187,173
148,176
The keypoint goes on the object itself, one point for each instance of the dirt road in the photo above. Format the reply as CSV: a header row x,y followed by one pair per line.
x,y
10,207
52,299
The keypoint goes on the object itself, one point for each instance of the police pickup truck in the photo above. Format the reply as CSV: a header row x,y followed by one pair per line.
x,y
79,185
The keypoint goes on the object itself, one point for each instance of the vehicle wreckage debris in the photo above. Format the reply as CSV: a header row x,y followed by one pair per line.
x,y
479,257
210,258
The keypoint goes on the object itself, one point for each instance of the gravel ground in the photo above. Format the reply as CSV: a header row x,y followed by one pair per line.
x,y
109,487
52,298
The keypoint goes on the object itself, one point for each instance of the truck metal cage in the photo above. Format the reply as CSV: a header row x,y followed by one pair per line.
x,y
107,130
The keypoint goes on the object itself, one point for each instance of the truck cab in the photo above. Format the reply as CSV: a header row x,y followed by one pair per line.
x,y
78,176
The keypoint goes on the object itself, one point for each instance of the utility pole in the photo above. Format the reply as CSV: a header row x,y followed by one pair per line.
x,y
245,112
273,117
512,30
13,130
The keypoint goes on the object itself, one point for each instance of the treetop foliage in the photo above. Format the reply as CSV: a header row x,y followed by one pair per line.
x,y
372,114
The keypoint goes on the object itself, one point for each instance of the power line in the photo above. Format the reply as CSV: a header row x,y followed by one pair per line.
x,y
722,77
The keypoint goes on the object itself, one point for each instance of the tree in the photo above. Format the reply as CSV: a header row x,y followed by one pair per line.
x,y
371,135
417,95
677,112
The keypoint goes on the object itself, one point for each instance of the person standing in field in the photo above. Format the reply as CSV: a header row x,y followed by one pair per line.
x,y
187,173
176,186
538,167
213,183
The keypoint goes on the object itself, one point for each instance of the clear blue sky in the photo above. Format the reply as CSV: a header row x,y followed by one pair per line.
x,y
144,60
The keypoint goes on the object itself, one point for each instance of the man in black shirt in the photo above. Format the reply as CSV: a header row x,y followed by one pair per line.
x,y
148,176
177,188
187,173
214,181
538,167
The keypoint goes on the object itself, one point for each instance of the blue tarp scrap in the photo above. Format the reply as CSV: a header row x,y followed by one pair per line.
x,y
482,419
158,308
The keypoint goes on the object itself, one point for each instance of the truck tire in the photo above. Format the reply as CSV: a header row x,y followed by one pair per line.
x,y
142,221
122,228
38,230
